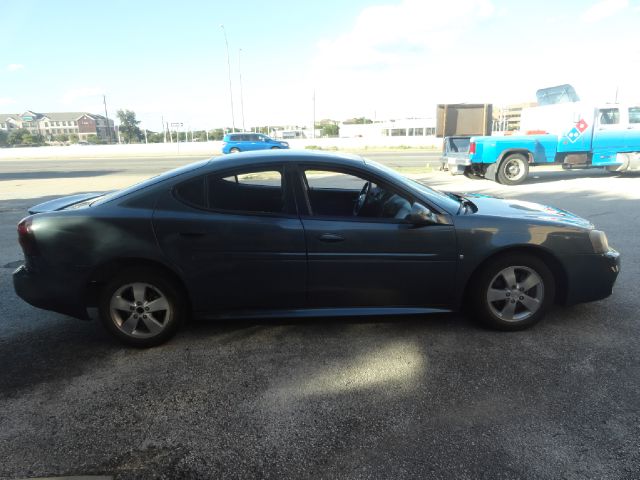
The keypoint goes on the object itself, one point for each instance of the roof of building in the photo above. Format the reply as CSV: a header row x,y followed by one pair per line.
x,y
53,116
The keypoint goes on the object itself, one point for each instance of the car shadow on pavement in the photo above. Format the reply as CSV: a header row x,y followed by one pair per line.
x,y
244,327
58,351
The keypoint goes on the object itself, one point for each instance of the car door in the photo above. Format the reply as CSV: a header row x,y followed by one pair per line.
x,y
608,136
375,259
236,238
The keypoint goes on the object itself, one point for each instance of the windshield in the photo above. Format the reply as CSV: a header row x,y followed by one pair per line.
x,y
148,182
448,202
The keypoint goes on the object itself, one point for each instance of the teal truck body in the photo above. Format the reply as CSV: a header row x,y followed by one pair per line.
x,y
572,134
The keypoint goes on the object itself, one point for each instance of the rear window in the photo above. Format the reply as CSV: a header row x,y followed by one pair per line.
x,y
609,116
150,181
458,145
634,115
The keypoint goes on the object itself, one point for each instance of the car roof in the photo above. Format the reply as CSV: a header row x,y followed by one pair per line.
x,y
285,156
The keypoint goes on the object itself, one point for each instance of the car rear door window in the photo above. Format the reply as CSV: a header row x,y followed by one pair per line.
x,y
192,192
260,191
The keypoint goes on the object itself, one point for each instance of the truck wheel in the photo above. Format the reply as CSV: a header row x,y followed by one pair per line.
x,y
513,170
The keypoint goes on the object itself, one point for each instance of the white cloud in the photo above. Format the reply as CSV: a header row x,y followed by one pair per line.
x,y
387,63
387,34
603,9
6,101
12,67
75,94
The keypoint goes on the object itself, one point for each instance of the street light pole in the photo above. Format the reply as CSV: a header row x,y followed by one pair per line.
x,y
106,116
244,129
226,42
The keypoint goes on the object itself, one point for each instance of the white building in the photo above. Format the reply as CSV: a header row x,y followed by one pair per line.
x,y
408,127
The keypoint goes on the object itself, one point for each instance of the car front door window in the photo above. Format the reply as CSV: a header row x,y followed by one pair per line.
x,y
341,194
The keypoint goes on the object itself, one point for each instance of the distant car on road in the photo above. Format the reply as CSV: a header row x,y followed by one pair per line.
x,y
245,142
297,234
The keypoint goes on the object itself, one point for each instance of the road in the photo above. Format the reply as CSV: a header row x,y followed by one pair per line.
x,y
18,169
404,397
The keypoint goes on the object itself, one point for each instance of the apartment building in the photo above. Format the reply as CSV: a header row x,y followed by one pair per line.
x,y
49,125
507,117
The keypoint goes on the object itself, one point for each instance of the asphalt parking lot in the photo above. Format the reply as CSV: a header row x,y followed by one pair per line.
x,y
402,397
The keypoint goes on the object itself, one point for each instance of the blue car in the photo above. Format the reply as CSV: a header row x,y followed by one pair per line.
x,y
244,142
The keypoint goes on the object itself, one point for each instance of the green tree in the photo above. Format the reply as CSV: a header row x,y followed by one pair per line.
x,y
73,138
329,130
4,137
129,130
93,138
216,134
358,121
155,137
61,138
17,137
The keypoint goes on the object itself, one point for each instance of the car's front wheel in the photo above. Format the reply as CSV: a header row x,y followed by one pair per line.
x,y
234,150
513,292
142,307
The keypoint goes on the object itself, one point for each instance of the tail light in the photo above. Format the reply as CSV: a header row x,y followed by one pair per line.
x,y
472,148
26,236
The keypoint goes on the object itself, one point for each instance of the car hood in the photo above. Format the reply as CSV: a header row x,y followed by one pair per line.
x,y
511,208
63,202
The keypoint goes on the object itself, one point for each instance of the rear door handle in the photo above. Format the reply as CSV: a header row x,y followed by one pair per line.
x,y
331,237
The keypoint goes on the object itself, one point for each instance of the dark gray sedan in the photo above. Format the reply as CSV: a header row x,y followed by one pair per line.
x,y
275,234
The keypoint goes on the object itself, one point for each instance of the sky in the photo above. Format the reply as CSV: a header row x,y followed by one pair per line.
x,y
381,60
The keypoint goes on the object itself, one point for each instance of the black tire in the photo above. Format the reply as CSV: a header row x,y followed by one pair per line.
x,y
513,169
470,174
234,150
492,282
275,148
146,285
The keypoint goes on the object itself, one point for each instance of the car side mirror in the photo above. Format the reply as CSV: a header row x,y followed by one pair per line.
x,y
421,215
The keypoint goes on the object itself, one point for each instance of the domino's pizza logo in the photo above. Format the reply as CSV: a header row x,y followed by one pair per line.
x,y
576,132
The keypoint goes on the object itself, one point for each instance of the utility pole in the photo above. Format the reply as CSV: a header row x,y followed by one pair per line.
x,y
244,129
313,126
164,132
226,42
106,116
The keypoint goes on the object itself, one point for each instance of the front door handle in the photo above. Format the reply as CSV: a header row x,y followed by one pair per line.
x,y
331,237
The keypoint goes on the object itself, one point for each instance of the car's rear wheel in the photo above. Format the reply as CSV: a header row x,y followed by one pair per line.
x,y
275,148
513,292
142,307
234,150
513,170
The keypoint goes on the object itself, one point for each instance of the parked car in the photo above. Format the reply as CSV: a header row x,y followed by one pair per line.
x,y
295,234
244,142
